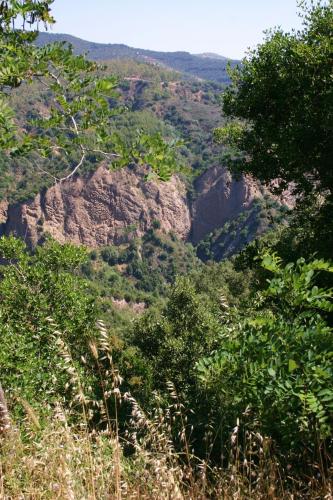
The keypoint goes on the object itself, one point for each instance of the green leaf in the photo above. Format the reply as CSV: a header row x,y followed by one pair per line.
x,y
292,365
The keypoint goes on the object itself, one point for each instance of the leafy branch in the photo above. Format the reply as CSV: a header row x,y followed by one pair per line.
x,y
77,122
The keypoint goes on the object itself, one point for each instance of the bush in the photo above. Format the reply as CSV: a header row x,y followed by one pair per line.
x,y
156,224
44,309
110,255
93,255
274,365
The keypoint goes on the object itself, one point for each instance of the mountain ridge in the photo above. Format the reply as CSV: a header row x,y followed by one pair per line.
x,y
204,66
212,55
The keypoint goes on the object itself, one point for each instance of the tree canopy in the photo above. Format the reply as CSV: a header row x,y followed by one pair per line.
x,y
281,106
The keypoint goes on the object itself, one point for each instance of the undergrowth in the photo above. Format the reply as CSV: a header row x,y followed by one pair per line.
x,y
83,452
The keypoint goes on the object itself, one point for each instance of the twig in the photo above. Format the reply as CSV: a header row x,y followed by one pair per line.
x,y
75,169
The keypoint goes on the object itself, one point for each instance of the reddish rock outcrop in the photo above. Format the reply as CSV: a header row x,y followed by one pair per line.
x,y
96,210
103,207
220,198
4,415
3,211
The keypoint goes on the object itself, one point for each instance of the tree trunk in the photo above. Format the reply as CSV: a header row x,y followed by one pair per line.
x,y
4,415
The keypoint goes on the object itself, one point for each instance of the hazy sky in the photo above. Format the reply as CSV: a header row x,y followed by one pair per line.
x,y
227,27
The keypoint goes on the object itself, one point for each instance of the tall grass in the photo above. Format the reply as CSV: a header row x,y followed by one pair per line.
x,y
66,457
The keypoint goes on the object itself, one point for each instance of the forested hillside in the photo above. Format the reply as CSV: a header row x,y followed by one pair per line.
x,y
166,269
156,101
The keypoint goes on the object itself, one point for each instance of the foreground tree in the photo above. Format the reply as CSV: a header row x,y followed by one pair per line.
x,y
281,106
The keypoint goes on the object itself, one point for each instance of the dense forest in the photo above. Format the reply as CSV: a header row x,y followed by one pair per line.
x,y
160,367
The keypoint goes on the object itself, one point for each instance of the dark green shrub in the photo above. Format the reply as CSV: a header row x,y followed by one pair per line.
x,y
93,255
110,255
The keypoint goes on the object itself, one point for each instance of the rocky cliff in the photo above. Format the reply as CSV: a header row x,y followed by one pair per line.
x,y
101,208
98,209
219,198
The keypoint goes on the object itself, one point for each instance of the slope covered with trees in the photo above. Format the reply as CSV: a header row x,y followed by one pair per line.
x,y
146,98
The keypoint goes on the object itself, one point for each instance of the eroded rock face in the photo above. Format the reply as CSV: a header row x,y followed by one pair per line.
x,y
219,198
97,210
101,209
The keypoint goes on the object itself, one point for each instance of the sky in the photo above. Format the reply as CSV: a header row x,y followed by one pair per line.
x,y
226,27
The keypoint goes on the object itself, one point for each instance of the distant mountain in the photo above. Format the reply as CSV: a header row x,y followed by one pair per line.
x,y
205,66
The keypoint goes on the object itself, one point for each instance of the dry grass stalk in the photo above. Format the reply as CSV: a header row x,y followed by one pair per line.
x,y
4,415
